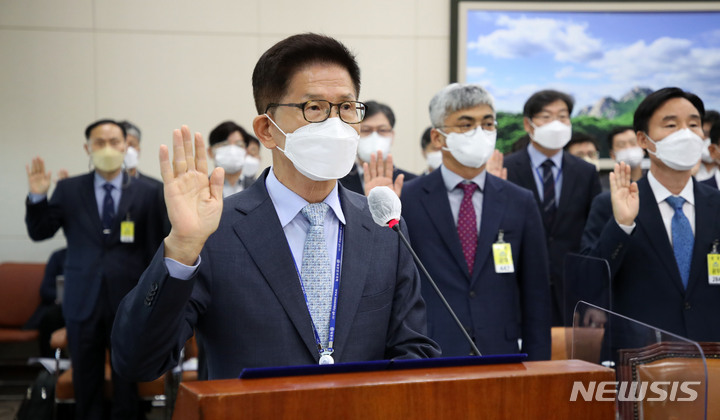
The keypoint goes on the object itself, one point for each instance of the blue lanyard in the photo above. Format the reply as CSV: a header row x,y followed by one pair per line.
x,y
333,308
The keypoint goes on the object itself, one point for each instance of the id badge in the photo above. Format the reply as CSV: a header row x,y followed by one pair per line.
x,y
502,255
127,231
713,262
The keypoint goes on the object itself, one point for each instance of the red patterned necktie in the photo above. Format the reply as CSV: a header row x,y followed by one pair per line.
x,y
467,224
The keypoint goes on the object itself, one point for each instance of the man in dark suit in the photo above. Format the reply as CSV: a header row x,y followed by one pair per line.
x,y
112,224
714,150
377,133
228,144
496,303
563,185
657,233
260,274
132,155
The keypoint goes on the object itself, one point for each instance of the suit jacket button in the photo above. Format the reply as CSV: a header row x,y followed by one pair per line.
x,y
687,305
154,286
472,294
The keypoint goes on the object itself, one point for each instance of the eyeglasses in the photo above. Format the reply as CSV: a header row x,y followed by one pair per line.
x,y
316,111
470,129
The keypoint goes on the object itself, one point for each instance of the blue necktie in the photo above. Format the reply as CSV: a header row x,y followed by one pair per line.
x,y
108,213
316,273
548,206
682,238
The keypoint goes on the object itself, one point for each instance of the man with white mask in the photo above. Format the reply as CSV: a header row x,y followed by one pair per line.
x,y
623,146
292,270
112,223
480,237
563,185
714,150
664,231
228,147
377,133
707,167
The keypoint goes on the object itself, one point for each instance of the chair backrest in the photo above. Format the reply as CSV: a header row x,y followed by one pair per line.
x,y
19,292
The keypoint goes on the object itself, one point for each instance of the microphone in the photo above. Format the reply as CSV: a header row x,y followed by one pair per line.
x,y
386,208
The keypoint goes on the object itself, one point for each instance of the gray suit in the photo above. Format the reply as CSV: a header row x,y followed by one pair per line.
x,y
248,306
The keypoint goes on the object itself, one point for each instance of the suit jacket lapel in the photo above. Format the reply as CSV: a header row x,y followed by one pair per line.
x,y
436,204
650,221
493,208
356,255
127,197
569,184
87,197
705,220
262,235
524,170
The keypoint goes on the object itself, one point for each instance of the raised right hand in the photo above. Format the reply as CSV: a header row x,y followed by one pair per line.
x,y
194,202
624,195
38,179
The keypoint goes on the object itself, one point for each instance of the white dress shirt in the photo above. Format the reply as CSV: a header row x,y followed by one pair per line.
x,y
536,161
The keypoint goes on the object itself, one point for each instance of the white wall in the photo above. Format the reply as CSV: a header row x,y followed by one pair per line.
x,y
165,63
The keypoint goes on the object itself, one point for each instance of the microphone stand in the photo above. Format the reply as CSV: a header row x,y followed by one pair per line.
x,y
396,227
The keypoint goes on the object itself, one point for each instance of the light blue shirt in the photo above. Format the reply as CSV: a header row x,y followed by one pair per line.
x,y
536,161
455,195
287,206
116,192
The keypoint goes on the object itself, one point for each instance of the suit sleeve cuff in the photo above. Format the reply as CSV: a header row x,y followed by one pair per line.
x,y
36,198
179,270
628,229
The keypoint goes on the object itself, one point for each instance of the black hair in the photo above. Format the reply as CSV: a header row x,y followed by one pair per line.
x,y
131,127
711,116
278,65
715,133
614,132
579,138
655,100
223,131
374,107
426,138
539,100
101,122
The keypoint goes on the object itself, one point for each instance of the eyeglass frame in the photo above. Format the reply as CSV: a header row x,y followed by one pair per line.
x,y
468,133
301,107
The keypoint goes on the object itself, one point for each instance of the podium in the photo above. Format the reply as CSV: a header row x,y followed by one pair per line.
x,y
528,390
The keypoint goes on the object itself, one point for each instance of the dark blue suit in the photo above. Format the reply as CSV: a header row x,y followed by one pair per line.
x,y
248,307
646,283
496,309
712,182
99,271
580,184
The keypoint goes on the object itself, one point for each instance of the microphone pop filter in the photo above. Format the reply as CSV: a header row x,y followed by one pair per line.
x,y
384,205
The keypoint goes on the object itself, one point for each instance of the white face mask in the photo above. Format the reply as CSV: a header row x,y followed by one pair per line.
x,y
471,151
373,143
107,159
230,157
706,152
632,156
554,135
680,150
131,158
321,151
434,159
251,166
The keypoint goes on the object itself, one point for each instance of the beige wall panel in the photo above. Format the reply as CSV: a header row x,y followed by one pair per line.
x,y
46,100
162,81
223,16
47,13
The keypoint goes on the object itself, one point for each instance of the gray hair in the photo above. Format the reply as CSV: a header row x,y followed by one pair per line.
x,y
455,97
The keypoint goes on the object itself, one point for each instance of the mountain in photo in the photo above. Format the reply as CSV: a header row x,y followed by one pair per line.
x,y
612,109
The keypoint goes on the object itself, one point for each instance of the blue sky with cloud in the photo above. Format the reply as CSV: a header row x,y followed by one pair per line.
x,y
592,55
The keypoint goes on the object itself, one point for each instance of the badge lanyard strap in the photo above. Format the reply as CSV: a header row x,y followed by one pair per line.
x,y
333,308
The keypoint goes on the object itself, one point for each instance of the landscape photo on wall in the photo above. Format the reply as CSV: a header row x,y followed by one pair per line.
x,y
609,61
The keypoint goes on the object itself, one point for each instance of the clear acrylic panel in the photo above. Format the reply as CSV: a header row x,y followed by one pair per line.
x,y
659,375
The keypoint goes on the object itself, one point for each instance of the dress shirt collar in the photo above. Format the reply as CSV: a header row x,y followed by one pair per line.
x,y
661,193
451,179
537,158
115,182
288,204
